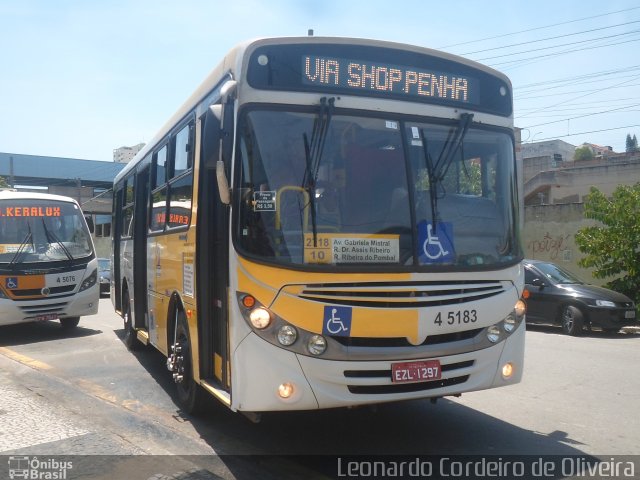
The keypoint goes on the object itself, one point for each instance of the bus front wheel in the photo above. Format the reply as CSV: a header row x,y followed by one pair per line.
x,y
190,394
69,322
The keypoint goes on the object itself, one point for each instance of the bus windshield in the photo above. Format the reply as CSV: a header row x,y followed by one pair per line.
x,y
33,231
349,190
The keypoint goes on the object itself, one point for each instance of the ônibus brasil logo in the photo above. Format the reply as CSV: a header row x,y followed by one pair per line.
x,y
37,469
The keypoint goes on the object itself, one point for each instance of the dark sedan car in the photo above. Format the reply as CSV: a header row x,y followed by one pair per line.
x,y
557,297
104,275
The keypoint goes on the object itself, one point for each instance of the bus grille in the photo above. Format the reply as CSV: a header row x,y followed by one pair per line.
x,y
45,309
37,292
402,294
402,342
407,387
386,387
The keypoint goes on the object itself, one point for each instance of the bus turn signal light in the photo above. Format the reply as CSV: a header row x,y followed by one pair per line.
x,y
248,301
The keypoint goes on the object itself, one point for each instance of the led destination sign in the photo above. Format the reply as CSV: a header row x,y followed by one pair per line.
x,y
383,77
34,211
375,71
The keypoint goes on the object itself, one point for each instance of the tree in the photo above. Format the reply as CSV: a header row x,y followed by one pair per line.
x,y
613,250
631,143
583,154
3,183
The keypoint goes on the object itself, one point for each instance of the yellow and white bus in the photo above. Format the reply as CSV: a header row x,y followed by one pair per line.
x,y
48,266
327,222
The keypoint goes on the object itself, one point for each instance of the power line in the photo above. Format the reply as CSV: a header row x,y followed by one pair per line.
x,y
580,96
550,38
539,28
583,116
585,133
579,77
559,45
562,53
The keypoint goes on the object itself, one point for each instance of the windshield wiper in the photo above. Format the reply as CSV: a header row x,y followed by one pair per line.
x,y
28,238
313,156
437,171
52,236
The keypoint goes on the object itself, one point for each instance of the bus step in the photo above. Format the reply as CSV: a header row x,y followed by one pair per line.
x,y
143,336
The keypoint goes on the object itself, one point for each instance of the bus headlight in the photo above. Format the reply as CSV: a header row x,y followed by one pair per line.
x,y
317,344
520,309
260,318
287,335
493,333
509,323
90,281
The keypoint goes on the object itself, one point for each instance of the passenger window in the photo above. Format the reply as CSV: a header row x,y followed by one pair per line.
x,y
180,202
158,210
128,202
182,157
161,167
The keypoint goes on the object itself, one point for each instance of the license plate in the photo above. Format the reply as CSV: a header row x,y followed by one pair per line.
x,y
630,314
42,318
416,371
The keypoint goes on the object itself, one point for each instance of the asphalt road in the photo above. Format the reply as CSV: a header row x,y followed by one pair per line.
x,y
83,393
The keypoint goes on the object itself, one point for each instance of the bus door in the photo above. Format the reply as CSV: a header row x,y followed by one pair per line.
x,y
116,227
140,249
212,268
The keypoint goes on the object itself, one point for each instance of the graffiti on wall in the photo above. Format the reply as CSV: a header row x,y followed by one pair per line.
x,y
548,245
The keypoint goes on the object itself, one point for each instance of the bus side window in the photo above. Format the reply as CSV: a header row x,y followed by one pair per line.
x,y
127,217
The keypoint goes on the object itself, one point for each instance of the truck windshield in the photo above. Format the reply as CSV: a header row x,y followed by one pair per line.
x,y
384,192
33,231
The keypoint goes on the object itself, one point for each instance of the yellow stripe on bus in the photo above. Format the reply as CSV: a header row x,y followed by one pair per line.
x,y
306,314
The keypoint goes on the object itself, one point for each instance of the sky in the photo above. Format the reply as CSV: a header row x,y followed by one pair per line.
x,y
79,79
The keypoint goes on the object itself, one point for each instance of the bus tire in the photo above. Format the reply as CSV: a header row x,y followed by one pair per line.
x,y
130,339
69,322
191,397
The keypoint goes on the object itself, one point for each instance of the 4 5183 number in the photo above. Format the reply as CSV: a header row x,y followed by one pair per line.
x,y
458,317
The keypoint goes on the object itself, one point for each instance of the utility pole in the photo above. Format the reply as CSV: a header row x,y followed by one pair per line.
x,y
79,186
11,177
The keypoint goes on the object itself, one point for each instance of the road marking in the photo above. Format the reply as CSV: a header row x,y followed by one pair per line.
x,y
25,360
98,391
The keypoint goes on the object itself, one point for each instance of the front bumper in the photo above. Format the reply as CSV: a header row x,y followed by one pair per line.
x,y
78,305
604,317
320,383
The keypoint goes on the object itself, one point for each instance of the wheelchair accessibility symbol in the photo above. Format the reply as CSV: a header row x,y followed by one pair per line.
x,y
435,246
337,321
11,283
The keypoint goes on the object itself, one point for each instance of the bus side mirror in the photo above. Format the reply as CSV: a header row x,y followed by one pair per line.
x,y
211,150
90,224
211,136
223,183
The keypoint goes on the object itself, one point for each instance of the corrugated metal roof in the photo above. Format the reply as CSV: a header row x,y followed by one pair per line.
x,y
46,169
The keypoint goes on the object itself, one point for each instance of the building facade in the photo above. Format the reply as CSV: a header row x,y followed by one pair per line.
x,y
126,154
554,194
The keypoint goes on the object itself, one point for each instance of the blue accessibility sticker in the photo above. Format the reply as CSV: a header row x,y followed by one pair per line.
x,y
337,321
435,245
11,283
